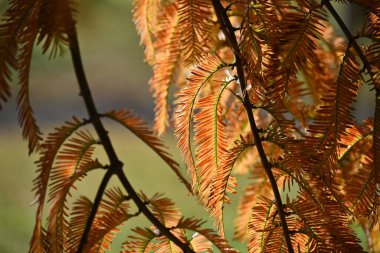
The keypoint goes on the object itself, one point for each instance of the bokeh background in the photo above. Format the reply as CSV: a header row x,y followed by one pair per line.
x,y
118,78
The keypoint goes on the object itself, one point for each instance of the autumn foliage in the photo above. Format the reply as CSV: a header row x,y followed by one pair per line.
x,y
264,89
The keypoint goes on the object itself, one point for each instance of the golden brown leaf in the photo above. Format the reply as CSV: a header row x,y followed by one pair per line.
x,y
328,229
224,183
30,129
145,18
15,20
195,225
138,127
167,56
79,215
72,162
56,23
113,211
194,25
301,26
49,150
266,234
248,201
164,209
141,243
185,109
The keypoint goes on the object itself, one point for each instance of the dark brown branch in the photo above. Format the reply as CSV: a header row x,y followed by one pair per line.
x,y
352,41
91,217
348,34
116,166
230,35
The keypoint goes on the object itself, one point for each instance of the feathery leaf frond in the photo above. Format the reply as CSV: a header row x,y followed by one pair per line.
x,y
74,157
138,127
113,211
210,139
49,150
145,18
372,31
376,145
79,215
166,59
266,231
17,36
194,24
164,209
30,129
327,229
248,201
56,23
332,126
15,20
302,25
23,23
166,212
363,196
185,109
195,225
142,243
224,183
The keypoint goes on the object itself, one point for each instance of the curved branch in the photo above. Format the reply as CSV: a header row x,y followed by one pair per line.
x,y
116,166
348,34
230,35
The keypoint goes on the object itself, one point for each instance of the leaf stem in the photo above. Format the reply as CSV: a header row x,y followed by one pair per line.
x,y
116,166
230,35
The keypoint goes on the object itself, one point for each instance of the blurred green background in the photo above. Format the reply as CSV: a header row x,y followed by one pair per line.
x,y
118,78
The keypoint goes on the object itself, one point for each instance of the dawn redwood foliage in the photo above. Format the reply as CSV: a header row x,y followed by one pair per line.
x,y
264,90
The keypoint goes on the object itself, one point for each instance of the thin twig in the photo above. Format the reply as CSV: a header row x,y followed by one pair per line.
x,y
94,208
230,35
116,166
348,34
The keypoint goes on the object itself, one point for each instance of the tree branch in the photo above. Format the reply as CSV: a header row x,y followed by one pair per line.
x,y
230,35
91,217
348,34
116,166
